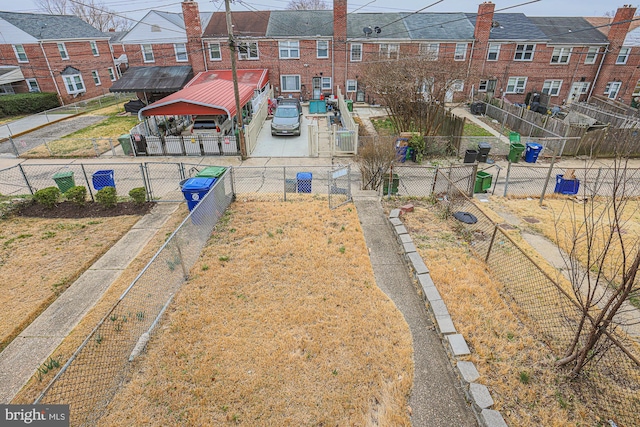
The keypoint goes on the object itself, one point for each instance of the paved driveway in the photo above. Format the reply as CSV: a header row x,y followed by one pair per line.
x,y
283,146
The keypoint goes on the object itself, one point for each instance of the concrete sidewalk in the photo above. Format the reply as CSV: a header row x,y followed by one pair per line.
x,y
20,360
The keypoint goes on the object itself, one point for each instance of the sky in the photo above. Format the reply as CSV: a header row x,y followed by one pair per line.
x,y
136,9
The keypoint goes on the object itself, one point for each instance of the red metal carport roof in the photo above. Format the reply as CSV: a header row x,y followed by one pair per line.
x,y
256,77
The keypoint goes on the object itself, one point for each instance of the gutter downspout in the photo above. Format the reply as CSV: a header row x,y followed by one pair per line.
x,y
595,79
204,55
473,43
333,60
51,73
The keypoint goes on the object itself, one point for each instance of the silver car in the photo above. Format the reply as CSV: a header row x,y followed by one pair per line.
x,y
286,120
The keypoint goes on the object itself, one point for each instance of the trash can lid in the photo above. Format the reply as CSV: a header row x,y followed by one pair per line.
x,y
63,174
534,145
104,172
484,145
466,217
304,175
211,172
198,184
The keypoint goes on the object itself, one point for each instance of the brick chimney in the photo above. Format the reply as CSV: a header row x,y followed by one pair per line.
x,y
193,28
484,20
620,26
340,43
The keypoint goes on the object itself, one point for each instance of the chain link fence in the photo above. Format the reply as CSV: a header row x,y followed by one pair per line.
x,y
610,384
421,181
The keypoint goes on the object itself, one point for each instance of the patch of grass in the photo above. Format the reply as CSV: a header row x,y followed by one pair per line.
x,y
223,258
524,377
472,129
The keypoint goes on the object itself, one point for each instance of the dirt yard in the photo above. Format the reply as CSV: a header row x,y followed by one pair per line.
x,y
281,323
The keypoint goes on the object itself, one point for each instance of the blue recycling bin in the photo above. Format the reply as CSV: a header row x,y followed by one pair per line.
x,y
195,189
103,178
304,182
566,186
532,152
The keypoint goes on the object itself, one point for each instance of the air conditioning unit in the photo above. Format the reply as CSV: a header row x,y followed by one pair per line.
x,y
519,90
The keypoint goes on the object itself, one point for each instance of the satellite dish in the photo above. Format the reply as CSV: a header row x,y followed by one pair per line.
x,y
377,30
367,31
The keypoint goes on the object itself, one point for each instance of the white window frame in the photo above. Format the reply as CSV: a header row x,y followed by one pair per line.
x,y
457,85
289,49
74,84
180,50
146,53
18,49
62,49
636,90
552,87
33,85
355,51
326,83
112,75
248,51
352,86
483,85
623,55
211,51
607,89
493,52
518,84
96,77
524,52
460,54
94,48
592,54
429,50
561,55
389,50
285,77
322,49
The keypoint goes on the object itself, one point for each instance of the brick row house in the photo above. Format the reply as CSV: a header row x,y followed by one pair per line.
x,y
54,53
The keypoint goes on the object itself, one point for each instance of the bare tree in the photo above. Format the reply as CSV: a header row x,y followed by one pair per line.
x,y
93,12
307,5
602,261
375,159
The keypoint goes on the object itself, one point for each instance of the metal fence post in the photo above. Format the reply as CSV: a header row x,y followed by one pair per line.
x,y
13,145
284,181
145,183
113,148
95,147
506,180
493,238
474,175
546,182
24,175
84,172
595,184
435,179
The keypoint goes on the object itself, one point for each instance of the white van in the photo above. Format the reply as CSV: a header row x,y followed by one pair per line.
x,y
219,125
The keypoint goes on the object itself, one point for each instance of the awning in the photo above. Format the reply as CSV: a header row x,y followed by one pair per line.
x,y
258,78
210,98
10,75
153,79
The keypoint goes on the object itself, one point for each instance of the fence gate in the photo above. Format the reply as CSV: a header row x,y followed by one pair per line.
x,y
339,187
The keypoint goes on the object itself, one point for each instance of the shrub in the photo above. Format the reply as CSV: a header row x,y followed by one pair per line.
x,y
107,197
27,103
77,195
139,195
47,196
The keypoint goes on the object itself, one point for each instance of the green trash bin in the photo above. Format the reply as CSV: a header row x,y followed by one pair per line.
x,y
515,152
211,172
395,182
125,143
483,182
349,105
514,137
64,180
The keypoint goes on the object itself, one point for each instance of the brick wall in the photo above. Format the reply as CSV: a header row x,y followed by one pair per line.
x,y
193,28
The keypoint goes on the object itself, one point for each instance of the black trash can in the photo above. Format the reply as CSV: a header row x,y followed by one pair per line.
x,y
483,151
470,156
140,144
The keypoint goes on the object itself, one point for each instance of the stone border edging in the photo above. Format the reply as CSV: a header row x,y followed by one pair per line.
x,y
477,394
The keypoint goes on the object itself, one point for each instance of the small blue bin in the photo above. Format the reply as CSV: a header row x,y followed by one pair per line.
x,y
103,178
401,154
304,182
566,186
195,189
532,152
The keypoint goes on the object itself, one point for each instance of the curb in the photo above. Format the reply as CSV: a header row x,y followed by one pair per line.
x,y
454,343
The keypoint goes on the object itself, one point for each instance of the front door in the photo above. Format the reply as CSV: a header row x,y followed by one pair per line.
x,y
317,87
577,89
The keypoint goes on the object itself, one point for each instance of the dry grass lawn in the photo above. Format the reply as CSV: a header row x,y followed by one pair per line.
x,y
40,258
281,323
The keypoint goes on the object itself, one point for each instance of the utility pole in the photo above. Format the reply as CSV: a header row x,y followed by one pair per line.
x,y
236,93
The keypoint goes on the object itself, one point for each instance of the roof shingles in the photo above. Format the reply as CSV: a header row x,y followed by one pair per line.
x,y
52,27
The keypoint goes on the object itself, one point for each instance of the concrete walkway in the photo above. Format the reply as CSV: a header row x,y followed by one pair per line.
x,y
20,360
436,398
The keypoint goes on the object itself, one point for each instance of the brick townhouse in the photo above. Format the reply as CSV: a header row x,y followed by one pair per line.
x,y
54,53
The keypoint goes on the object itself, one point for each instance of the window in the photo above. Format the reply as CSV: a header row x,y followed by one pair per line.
x,y
482,87
516,84
389,50
457,85
147,53
290,83
493,52
356,52
322,49
430,50
551,87
560,55
181,52
248,50
623,55
112,75
74,84
63,51
352,85
524,52
94,48
612,89
326,83
461,52
214,52
289,50
591,55
96,77
20,53
33,85
636,91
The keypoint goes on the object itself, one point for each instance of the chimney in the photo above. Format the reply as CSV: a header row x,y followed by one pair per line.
x,y
193,28
340,43
620,26
484,21
340,21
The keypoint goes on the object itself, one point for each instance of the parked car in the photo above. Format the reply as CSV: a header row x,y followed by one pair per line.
x,y
286,120
291,101
219,125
